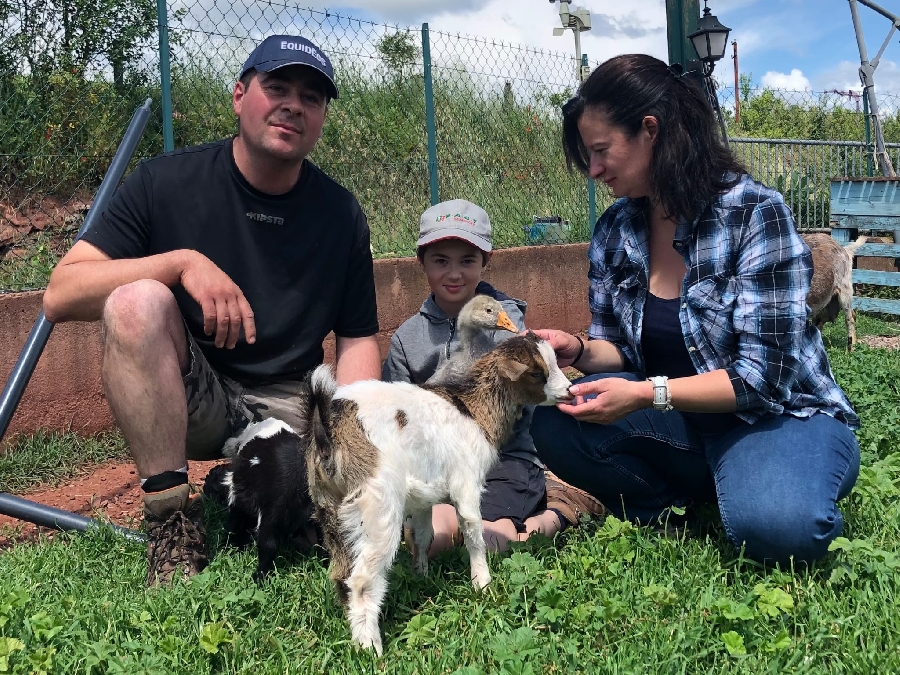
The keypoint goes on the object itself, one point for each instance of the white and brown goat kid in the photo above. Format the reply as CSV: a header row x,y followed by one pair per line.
x,y
381,451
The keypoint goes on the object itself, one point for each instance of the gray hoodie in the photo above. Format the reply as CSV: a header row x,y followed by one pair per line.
x,y
427,339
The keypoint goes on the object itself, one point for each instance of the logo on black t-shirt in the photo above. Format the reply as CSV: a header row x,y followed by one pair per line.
x,y
263,218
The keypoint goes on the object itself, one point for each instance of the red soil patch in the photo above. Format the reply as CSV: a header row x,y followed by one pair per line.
x,y
881,341
109,492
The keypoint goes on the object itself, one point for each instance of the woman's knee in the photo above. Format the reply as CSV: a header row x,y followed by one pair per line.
x,y
777,535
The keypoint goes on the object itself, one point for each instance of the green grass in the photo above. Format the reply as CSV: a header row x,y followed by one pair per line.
x,y
30,268
49,458
610,599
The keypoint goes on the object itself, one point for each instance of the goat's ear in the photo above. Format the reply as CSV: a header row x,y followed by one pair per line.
x,y
510,369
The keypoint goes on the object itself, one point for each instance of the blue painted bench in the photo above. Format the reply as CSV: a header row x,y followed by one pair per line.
x,y
861,205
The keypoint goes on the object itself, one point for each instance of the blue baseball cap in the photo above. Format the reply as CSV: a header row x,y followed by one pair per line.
x,y
277,51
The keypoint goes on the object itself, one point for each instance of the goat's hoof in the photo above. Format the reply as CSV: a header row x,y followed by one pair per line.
x,y
260,576
481,581
373,644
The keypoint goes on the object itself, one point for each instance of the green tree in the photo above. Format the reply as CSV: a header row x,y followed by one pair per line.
x,y
745,85
72,35
399,53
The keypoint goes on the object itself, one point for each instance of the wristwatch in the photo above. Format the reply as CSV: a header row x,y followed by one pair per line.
x,y
662,399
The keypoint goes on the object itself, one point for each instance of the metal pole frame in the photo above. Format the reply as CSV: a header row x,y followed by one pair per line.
x,y
866,78
870,149
709,86
40,332
737,87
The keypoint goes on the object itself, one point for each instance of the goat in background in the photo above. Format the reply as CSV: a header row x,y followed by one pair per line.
x,y
831,289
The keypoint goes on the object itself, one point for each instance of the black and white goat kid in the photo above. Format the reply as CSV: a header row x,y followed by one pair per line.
x,y
266,489
381,451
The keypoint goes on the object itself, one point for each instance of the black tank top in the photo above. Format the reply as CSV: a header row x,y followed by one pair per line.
x,y
665,353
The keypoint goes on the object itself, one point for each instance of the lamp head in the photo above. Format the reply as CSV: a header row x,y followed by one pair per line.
x,y
710,38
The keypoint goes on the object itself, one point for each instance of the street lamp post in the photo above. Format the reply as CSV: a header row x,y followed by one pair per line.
x,y
710,40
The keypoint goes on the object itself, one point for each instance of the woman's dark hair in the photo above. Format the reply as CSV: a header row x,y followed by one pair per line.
x,y
689,164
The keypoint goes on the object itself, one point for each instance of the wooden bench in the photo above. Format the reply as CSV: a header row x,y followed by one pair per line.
x,y
865,205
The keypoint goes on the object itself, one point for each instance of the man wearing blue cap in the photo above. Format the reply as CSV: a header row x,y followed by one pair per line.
x,y
217,271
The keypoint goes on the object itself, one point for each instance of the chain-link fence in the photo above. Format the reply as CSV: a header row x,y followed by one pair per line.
x,y
494,111
420,112
797,141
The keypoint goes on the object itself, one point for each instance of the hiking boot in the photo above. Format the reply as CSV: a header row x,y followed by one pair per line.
x,y
176,535
570,502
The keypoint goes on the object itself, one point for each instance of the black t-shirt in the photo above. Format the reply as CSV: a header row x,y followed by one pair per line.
x,y
302,259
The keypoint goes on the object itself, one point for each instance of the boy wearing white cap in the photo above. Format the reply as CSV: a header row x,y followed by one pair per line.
x,y
454,247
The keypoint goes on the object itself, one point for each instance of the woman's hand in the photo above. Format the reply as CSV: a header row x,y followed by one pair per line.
x,y
225,309
566,346
616,398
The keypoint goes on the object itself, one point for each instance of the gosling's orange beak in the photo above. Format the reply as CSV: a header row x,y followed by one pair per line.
x,y
504,322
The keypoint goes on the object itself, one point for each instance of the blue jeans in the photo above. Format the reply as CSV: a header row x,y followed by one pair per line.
x,y
777,482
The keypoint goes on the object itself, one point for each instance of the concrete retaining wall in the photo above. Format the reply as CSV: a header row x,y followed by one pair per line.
x,y
65,391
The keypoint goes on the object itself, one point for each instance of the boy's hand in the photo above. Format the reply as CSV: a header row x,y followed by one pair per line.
x,y
566,346
225,309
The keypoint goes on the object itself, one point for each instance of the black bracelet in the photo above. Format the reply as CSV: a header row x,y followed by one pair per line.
x,y
580,349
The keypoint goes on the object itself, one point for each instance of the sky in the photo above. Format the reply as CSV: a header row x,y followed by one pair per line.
x,y
785,44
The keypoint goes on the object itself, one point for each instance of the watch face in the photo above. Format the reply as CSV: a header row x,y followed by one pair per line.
x,y
659,394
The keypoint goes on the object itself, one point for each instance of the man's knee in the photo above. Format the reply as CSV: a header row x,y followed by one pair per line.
x,y
135,311
774,535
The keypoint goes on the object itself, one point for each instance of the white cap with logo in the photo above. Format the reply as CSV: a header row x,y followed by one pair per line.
x,y
456,219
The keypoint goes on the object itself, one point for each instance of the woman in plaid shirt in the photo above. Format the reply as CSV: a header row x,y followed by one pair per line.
x,y
706,380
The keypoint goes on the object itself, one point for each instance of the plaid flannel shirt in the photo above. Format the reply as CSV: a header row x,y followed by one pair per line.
x,y
743,300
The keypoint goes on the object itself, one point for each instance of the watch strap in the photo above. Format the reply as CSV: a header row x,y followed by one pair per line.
x,y
662,398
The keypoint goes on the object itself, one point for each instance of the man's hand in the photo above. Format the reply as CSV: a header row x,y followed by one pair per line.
x,y
225,309
616,398
566,346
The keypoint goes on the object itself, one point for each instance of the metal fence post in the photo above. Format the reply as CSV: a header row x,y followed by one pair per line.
x,y
584,67
165,76
429,116
869,152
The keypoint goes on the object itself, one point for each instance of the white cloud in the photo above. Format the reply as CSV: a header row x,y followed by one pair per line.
x,y
793,81
623,28
498,41
845,75
514,40
410,11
